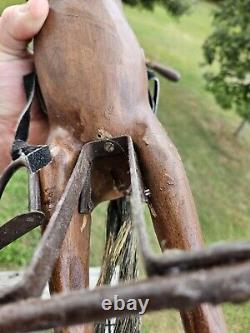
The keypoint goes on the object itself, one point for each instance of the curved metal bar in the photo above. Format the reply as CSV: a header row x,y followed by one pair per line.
x,y
44,258
9,172
34,185
167,72
19,226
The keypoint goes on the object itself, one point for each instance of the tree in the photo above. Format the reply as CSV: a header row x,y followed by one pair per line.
x,y
175,7
227,50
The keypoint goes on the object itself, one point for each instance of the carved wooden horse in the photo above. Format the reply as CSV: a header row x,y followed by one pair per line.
x,y
92,75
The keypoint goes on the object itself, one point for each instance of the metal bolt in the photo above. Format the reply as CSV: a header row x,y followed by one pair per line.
x,y
109,147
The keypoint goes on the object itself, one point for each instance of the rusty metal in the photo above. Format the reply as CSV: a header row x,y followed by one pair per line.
x,y
19,226
9,172
183,261
109,148
41,266
187,278
34,192
34,187
167,72
179,291
136,198
22,224
155,94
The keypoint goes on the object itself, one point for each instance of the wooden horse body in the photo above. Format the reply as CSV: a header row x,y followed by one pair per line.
x,y
92,75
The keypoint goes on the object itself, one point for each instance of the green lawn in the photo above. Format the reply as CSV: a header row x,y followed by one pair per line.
x,y
217,165
5,3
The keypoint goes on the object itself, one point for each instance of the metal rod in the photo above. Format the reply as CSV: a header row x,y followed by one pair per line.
x,y
182,291
43,261
19,226
167,72
34,192
221,254
9,172
137,208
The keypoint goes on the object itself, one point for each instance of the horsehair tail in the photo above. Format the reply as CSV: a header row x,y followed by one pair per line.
x,y
120,250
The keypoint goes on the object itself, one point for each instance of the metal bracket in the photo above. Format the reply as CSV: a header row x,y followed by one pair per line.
x,y
36,157
20,225
109,159
192,273
153,97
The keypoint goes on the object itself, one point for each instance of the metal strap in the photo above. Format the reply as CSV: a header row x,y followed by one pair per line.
x,y
153,97
19,226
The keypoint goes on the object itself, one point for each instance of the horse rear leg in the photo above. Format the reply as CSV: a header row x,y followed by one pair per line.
x,y
172,209
72,268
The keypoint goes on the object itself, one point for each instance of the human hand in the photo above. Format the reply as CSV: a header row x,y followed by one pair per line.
x,y
18,25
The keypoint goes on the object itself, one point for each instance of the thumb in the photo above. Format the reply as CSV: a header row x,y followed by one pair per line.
x,y
19,24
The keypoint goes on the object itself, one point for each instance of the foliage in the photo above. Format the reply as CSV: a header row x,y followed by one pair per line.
x,y
214,1
175,7
228,48
6,3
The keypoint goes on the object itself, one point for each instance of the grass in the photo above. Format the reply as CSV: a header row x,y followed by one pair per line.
x,y
6,3
217,164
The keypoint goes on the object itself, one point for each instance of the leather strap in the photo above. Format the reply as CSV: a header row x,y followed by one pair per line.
x,y
37,156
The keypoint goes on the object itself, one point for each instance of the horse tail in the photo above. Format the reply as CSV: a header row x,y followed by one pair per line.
x,y
120,252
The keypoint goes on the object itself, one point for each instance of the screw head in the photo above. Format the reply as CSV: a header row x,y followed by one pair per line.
x,y
109,147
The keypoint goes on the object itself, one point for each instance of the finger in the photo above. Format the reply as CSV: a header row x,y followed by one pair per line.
x,y
20,23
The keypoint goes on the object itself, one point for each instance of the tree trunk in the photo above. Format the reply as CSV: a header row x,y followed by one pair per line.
x,y
240,128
